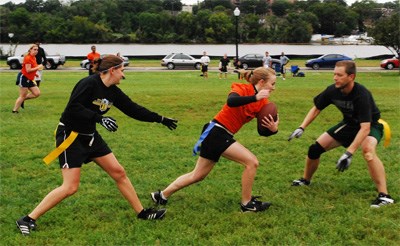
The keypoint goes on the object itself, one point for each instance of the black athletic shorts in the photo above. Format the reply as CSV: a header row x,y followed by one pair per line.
x,y
23,81
204,68
216,142
80,151
345,133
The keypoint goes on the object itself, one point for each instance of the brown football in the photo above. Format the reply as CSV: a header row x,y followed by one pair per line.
x,y
266,110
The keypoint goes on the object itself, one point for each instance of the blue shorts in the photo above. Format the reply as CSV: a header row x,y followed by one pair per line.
x,y
23,81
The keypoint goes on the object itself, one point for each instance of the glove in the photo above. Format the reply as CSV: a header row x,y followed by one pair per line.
x,y
168,122
344,161
297,133
109,123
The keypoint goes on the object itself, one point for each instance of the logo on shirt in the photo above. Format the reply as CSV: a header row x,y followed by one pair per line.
x,y
103,104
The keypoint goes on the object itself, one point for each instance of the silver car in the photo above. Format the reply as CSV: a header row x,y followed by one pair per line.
x,y
86,64
180,60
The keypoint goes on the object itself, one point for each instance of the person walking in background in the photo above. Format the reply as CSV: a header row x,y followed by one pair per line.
x,y
243,104
40,59
92,56
223,66
358,129
267,60
283,60
26,78
238,66
205,60
79,142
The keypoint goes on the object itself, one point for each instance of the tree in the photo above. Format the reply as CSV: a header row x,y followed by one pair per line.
x,y
386,32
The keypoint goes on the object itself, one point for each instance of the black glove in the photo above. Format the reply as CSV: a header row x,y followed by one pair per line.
x,y
344,161
109,123
168,122
297,133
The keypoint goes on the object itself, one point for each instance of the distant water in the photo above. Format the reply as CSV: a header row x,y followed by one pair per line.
x,y
79,50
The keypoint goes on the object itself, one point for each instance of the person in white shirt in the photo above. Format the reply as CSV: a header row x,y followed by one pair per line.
x,y
205,60
267,60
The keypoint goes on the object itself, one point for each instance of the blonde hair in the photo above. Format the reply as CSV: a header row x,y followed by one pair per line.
x,y
253,76
32,46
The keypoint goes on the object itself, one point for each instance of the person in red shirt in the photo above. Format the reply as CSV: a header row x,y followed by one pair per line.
x,y
26,78
92,56
243,104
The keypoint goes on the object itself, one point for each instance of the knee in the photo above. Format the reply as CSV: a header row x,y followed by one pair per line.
x,y
36,94
315,151
253,163
70,189
368,154
119,174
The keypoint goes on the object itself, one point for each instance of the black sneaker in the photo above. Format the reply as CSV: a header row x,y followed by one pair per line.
x,y
300,182
156,197
26,227
382,200
254,205
152,214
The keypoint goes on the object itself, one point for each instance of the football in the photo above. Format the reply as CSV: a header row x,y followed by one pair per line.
x,y
266,110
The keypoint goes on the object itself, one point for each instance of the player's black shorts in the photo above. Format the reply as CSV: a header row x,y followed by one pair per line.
x,y
216,142
23,81
80,151
345,133
204,68
224,69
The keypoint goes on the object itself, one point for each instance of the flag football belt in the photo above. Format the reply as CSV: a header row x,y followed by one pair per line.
x,y
64,145
386,131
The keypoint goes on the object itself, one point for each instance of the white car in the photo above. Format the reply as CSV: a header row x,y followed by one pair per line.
x,y
53,61
180,60
86,64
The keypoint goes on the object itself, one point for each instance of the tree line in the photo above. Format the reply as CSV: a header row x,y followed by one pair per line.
x,y
211,21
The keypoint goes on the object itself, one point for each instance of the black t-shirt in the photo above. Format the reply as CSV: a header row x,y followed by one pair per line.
x,y
357,107
41,56
90,99
224,62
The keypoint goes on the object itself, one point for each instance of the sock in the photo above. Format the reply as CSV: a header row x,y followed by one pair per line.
x,y
28,219
162,195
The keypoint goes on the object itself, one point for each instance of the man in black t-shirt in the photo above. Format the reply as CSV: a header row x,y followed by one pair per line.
x,y
223,66
40,59
358,129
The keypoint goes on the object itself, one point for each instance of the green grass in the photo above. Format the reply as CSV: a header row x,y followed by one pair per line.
x,y
334,210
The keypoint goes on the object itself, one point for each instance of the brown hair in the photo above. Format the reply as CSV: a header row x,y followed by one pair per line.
x,y
350,66
102,65
253,76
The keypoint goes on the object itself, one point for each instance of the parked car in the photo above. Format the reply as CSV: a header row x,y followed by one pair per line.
x,y
328,60
180,60
390,63
255,60
53,61
86,64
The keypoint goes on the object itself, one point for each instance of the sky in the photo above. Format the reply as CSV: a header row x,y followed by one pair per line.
x,y
192,2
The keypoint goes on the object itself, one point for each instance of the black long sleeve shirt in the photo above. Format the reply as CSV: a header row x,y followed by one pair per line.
x,y
90,99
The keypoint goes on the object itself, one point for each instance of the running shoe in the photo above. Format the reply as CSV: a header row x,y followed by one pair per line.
x,y
152,214
300,182
26,227
382,200
156,197
255,205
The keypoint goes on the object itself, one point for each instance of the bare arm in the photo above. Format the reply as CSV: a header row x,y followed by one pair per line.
x,y
361,135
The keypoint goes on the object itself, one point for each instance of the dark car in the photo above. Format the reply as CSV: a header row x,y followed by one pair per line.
x,y
326,61
390,63
255,60
180,60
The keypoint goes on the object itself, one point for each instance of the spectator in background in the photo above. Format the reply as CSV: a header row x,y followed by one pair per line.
x,y
205,60
238,65
223,66
267,60
40,59
26,78
92,56
284,60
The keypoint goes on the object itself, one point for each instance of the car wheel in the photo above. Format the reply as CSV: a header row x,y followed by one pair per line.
x,y
14,65
49,65
197,66
245,66
390,66
87,65
315,66
170,66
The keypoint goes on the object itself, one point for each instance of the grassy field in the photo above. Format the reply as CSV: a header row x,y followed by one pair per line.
x,y
334,210
142,62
